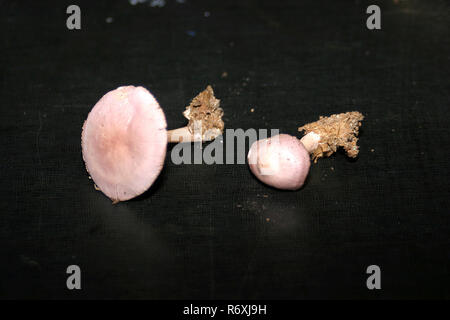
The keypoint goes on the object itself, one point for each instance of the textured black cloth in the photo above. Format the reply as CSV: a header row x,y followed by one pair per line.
x,y
214,231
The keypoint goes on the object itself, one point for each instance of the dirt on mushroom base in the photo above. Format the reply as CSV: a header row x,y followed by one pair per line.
x,y
337,130
205,115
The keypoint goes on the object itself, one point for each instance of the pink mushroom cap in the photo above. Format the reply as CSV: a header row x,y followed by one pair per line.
x,y
280,161
124,142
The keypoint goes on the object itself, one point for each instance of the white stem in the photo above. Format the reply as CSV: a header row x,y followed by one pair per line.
x,y
184,135
180,135
310,141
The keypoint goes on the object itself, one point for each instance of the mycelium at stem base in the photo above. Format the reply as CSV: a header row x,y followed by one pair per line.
x,y
205,119
337,130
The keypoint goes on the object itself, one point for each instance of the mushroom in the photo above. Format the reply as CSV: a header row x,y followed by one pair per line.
x,y
283,161
124,138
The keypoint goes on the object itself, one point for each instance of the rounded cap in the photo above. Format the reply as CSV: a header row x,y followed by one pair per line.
x,y
124,142
280,161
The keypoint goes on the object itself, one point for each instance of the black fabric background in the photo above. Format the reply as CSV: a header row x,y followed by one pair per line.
x,y
202,231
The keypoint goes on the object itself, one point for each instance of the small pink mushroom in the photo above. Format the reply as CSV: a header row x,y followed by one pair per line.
x,y
281,161
124,138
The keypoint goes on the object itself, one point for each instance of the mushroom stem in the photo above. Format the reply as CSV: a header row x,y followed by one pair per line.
x,y
310,141
182,135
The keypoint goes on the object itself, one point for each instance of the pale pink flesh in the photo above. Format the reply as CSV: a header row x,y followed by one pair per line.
x,y
280,161
124,142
